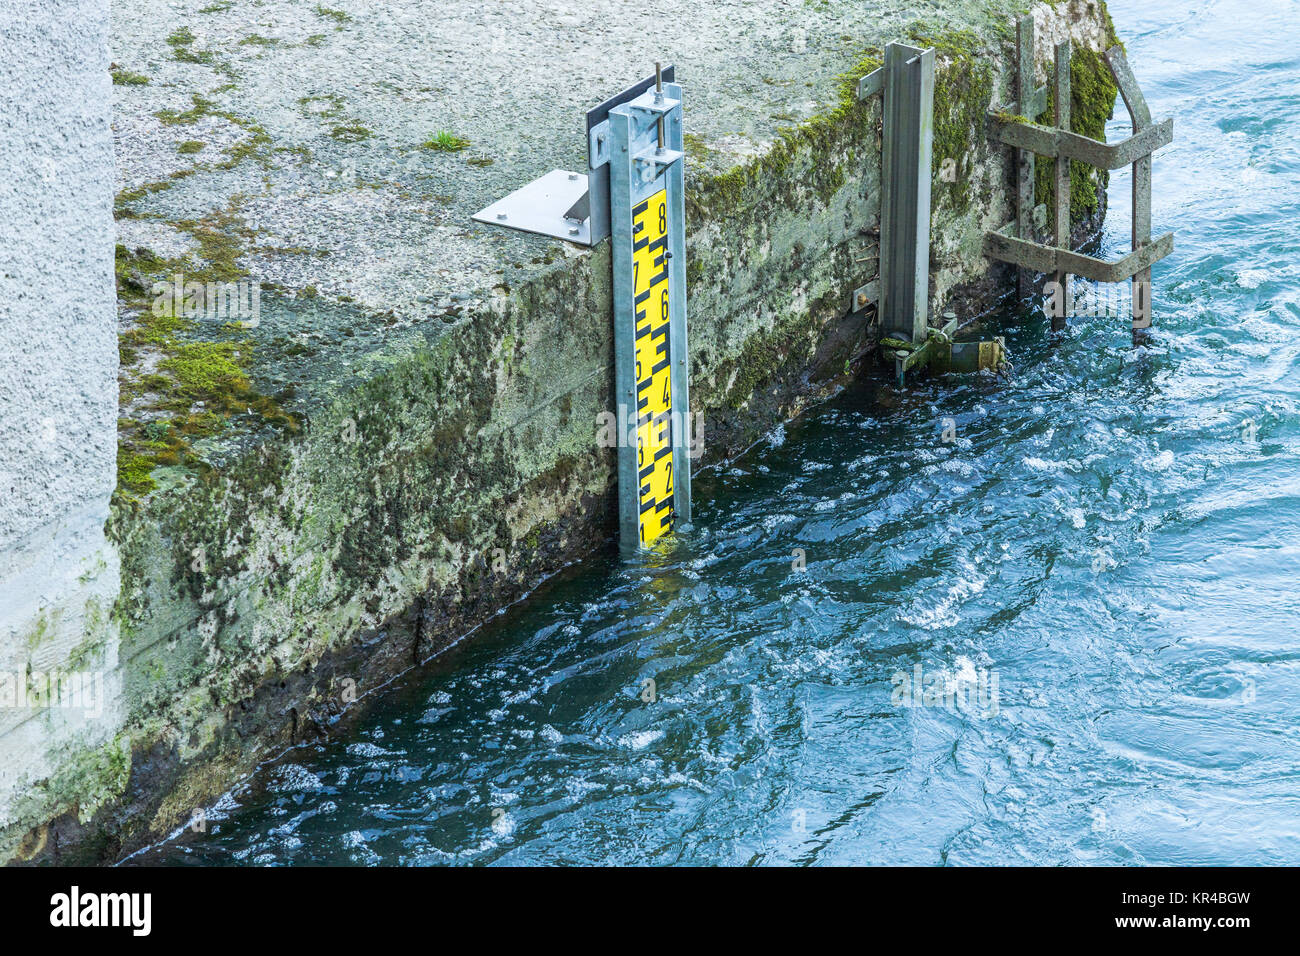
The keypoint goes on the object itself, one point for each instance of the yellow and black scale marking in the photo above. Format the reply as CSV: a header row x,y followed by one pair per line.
x,y
654,395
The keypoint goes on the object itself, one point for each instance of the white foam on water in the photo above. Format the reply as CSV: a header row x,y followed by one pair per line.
x,y
1160,462
641,739
295,778
550,735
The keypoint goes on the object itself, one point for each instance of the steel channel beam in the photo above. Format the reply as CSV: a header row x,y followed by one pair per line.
x,y
905,202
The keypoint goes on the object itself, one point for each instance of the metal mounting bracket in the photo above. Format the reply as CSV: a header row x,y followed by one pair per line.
x,y
941,354
575,206
550,206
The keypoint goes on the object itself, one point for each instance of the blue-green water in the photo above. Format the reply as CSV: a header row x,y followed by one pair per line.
x,y
1113,536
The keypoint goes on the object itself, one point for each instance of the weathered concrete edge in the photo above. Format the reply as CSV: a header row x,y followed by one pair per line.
x,y
328,563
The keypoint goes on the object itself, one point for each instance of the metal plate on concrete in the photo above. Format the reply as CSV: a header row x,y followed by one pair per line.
x,y
540,207
864,296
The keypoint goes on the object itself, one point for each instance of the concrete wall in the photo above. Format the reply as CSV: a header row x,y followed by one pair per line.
x,y
58,410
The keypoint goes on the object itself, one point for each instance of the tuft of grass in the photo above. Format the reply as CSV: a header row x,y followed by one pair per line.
x,y
444,141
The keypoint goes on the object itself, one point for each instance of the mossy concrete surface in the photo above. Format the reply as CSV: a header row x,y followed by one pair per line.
x,y
406,438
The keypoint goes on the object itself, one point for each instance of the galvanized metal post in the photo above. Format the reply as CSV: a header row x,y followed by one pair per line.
x,y
1061,96
907,339
905,194
651,380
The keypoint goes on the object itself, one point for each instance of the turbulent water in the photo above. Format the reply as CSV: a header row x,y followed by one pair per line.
x,y
1092,570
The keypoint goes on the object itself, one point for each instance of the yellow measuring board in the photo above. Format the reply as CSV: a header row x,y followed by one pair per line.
x,y
654,395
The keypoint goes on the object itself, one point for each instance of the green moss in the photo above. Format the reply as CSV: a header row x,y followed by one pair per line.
x,y
252,147
694,146
480,161
190,146
350,133
331,105
97,776
184,368
444,141
256,39
91,648
765,353
201,107
963,91
122,77
221,238
1092,103
211,372
221,7
207,370
181,42
694,268
338,16
42,631
728,189
133,471
156,329
1112,38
